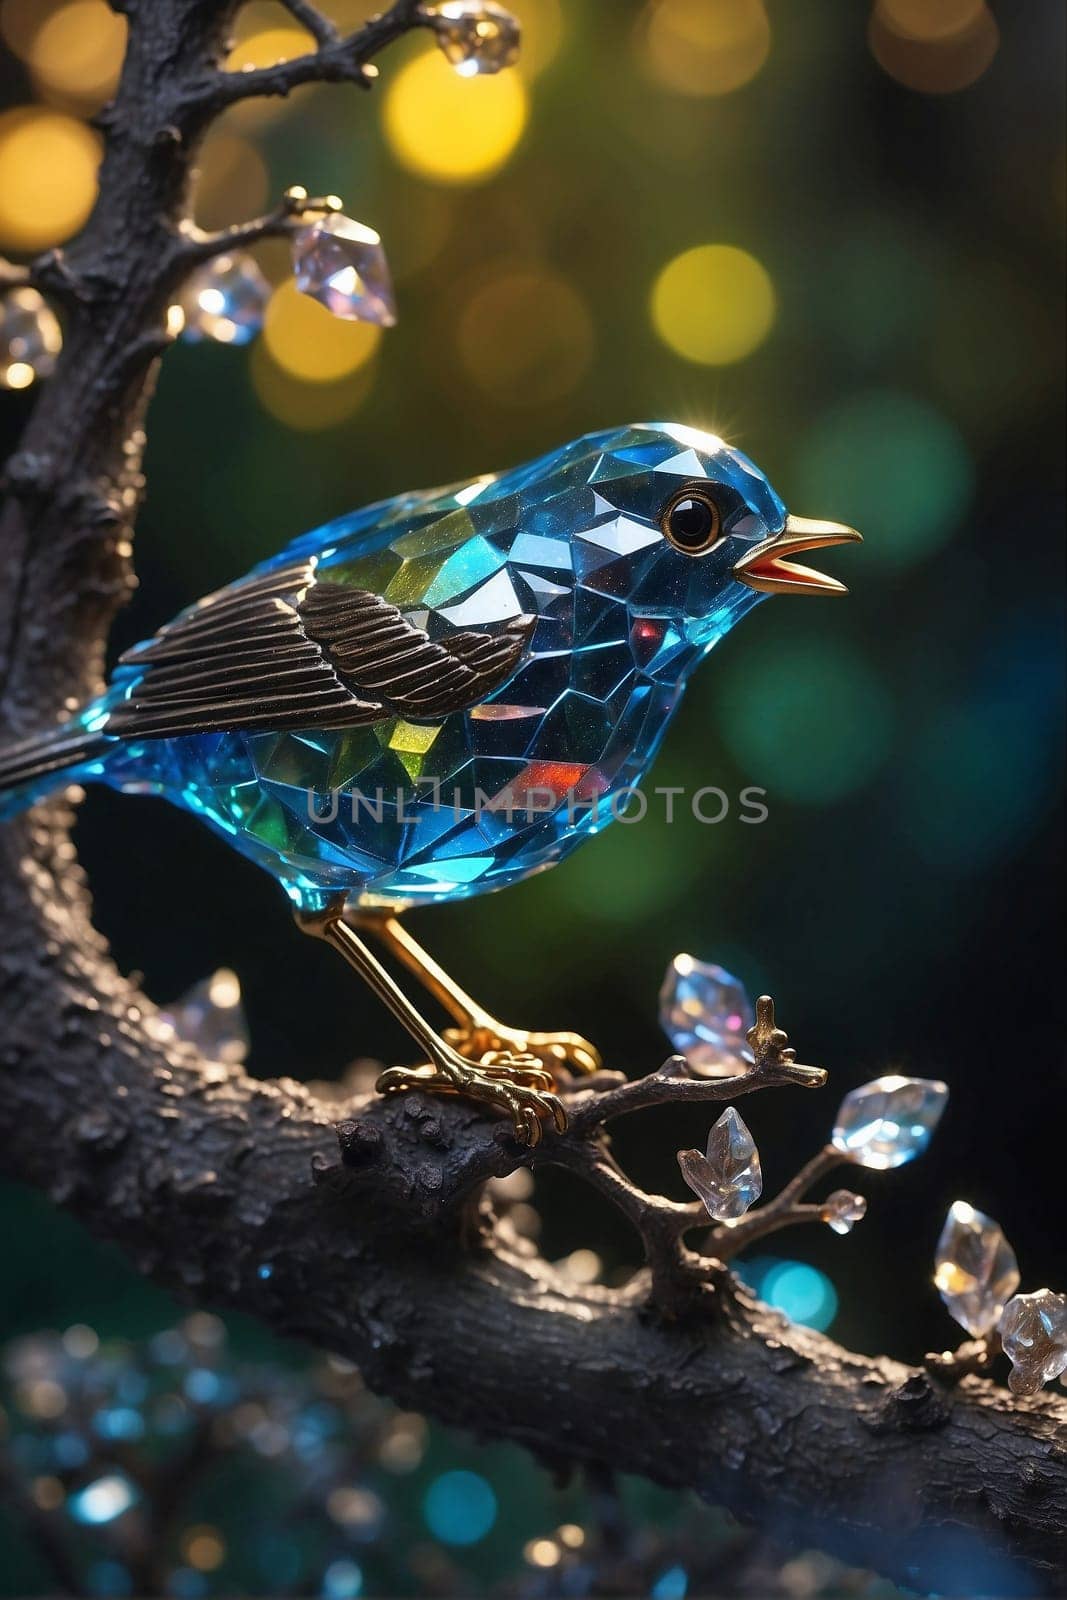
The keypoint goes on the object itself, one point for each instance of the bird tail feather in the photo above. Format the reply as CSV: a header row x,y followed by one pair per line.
x,y
34,767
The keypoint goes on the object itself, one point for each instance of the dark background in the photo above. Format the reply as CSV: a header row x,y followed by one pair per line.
x,y
902,900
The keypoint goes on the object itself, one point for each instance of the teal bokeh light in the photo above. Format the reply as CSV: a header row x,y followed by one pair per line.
x,y
894,467
807,719
460,1508
802,1293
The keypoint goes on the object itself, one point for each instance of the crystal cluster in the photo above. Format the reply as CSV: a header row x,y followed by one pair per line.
x,y
30,339
705,1013
842,1210
975,1269
340,263
224,301
1033,1331
889,1121
211,1016
477,36
728,1177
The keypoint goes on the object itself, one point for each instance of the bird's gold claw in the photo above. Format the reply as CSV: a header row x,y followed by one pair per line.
x,y
553,1050
514,1083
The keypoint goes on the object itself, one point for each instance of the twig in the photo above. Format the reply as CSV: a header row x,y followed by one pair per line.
x,y
322,30
781,1212
336,60
294,207
659,1089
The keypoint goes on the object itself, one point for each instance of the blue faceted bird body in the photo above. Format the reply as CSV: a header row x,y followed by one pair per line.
x,y
446,691
440,695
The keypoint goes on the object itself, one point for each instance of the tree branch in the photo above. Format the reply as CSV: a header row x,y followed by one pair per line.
x,y
214,1182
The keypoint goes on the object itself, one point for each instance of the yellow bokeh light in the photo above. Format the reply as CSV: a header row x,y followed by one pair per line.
x,y
704,47
451,129
307,407
943,64
919,19
268,47
48,164
541,23
713,304
526,338
20,21
232,181
77,51
311,344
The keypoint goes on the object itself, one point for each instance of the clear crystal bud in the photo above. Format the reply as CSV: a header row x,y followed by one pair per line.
x,y
842,1210
705,1013
728,1178
889,1121
1033,1331
975,1269
225,300
30,339
211,1016
340,263
476,36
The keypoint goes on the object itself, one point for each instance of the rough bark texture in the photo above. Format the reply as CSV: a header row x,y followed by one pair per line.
x,y
232,1191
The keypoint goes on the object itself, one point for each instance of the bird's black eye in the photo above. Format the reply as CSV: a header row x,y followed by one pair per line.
x,y
692,522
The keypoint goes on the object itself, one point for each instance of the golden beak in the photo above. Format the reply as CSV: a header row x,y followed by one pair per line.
x,y
765,568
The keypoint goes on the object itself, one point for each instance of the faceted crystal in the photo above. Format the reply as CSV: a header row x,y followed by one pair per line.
x,y
341,263
975,1268
889,1121
476,36
30,339
211,1017
843,1209
728,1178
1033,1331
705,1013
225,301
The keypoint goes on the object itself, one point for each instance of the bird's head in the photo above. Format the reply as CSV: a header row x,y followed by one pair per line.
x,y
675,522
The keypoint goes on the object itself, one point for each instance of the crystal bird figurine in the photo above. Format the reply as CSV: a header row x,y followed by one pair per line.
x,y
975,1269
727,1177
1033,1331
889,1121
441,694
705,1013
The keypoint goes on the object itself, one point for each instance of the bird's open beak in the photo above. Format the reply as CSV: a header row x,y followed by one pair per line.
x,y
765,567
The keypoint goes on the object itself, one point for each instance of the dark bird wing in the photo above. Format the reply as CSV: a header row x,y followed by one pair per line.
x,y
286,650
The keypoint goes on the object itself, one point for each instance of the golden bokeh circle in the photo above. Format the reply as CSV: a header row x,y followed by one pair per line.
x,y
704,47
450,129
526,338
713,304
307,407
77,50
309,342
48,166
920,19
941,65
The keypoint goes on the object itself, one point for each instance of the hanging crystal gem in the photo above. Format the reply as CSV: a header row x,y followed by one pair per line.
x,y
842,1210
705,1013
30,339
728,1178
477,37
211,1016
975,1269
341,263
1033,1331
225,300
889,1121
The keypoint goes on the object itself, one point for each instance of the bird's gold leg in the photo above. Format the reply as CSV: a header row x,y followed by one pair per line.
x,y
477,1034
515,1082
